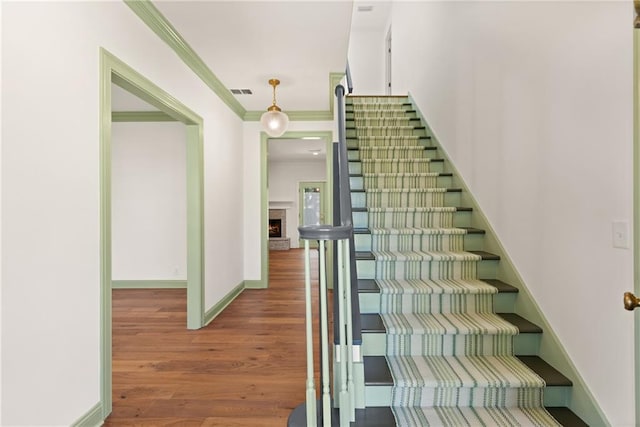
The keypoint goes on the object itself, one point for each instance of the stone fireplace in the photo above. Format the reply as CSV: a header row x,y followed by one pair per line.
x,y
278,240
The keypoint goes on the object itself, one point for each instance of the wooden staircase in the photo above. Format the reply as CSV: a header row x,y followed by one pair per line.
x,y
378,378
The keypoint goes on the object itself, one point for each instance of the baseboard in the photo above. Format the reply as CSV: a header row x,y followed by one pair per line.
x,y
255,284
222,304
583,403
148,284
92,418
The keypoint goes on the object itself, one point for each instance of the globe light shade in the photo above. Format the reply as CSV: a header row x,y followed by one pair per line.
x,y
274,123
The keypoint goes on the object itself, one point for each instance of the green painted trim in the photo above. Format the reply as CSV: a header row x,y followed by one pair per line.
x,y
148,284
141,116
218,308
636,208
92,418
156,21
327,136
294,116
582,401
255,284
114,71
195,226
302,115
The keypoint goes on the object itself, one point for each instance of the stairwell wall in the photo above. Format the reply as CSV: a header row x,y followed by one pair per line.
x,y
533,102
51,195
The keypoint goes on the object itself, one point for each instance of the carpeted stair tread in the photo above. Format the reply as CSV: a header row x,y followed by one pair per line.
x,y
446,349
419,230
427,256
435,286
377,371
473,417
373,323
447,324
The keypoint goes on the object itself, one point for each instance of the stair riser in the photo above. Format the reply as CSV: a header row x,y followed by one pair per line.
x,y
359,200
375,344
460,219
355,168
357,182
380,395
367,269
471,242
370,302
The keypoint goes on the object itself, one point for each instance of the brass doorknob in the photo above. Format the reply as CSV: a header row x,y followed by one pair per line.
x,y
631,301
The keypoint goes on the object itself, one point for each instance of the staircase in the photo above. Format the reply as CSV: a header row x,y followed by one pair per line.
x,y
441,344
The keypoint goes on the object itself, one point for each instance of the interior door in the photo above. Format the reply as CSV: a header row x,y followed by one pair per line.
x,y
311,206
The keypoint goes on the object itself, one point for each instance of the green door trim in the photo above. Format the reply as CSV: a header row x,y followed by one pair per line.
x,y
113,70
327,137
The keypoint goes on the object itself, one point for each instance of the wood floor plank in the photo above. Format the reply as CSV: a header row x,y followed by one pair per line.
x,y
247,368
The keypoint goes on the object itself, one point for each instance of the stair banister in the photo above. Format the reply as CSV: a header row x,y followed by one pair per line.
x,y
346,316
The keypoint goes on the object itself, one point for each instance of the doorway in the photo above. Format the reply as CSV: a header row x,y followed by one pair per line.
x,y
114,71
327,138
311,200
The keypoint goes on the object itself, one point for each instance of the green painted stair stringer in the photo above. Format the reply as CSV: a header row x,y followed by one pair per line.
x,y
582,401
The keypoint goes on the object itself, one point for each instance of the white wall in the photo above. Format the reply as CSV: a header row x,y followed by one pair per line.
x,y
51,195
149,201
251,189
284,177
533,101
367,60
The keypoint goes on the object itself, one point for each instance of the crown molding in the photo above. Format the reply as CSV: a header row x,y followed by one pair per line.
x,y
156,21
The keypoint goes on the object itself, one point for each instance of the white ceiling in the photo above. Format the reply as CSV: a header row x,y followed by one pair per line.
x,y
288,150
247,42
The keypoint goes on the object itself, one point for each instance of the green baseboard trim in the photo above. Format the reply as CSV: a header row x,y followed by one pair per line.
x,y
255,284
148,284
218,308
582,401
92,418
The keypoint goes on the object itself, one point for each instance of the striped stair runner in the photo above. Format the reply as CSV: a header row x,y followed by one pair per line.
x,y
450,355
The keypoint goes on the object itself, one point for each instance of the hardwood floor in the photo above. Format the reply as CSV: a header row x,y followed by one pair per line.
x,y
246,368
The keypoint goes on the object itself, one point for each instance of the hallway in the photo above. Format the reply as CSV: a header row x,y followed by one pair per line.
x,y
246,368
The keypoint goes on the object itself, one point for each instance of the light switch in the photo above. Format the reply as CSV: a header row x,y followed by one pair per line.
x,y
621,234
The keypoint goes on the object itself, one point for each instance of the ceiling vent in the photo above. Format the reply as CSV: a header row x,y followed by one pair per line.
x,y
241,91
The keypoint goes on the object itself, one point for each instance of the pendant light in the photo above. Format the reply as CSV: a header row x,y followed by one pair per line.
x,y
274,121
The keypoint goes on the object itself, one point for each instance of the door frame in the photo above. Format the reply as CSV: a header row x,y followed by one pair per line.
x,y
115,71
327,137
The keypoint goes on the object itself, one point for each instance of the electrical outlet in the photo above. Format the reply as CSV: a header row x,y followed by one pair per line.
x,y
621,234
